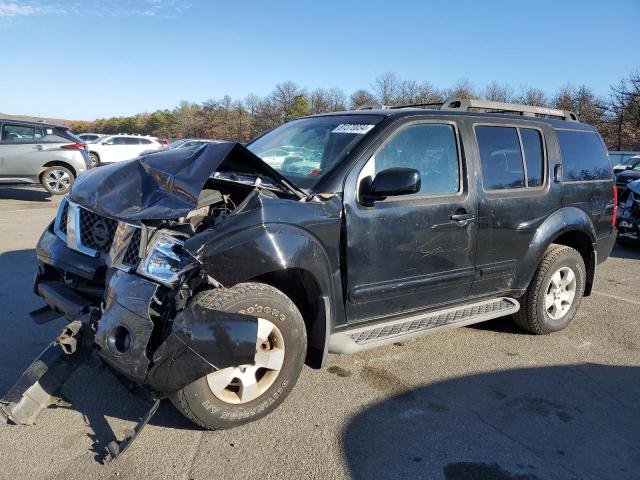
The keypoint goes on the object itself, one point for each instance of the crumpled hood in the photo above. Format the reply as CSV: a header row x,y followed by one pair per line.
x,y
634,186
164,185
628,176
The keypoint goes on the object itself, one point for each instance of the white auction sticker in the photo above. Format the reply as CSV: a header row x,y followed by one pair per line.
x,y
358,128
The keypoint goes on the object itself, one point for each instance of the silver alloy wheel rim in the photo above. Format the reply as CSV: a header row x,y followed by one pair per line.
x,y
58,180
244,383
560,293
94,160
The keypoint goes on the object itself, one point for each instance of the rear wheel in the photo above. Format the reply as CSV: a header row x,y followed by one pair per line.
x,y
244,393
94,160
57,180
555,292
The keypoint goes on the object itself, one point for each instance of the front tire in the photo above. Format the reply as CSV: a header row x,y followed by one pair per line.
x,y
57,180
241,394
555,292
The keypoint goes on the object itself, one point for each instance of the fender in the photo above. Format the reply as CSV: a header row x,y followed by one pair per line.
x,y
272,247
565,220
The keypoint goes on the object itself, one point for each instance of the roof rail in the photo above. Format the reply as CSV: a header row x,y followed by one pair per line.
x,y
486,106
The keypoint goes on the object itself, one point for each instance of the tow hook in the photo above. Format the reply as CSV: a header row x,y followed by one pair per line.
x,y
67,340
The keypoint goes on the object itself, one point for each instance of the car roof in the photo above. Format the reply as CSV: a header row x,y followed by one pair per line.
x,y
412,111
32,123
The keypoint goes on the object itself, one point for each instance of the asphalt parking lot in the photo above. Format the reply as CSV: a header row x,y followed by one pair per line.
x,y
483,402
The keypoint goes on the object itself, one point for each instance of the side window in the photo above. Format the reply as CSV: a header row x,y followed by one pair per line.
x,y
429,148
132,141
583,156
533,156
501,158
20,133
118,141
144,141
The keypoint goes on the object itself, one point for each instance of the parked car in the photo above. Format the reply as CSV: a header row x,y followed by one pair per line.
x,y
629,214
627,176
620,160
36,152
90,137
184,143
210,279
116,148
628,164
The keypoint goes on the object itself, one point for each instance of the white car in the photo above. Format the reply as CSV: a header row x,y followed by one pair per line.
x,y
117,148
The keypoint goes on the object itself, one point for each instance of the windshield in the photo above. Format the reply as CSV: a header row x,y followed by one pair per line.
x,y
305,150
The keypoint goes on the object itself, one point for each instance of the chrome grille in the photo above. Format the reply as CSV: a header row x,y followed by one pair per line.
x,y
96,231
131,256
63,217
97,235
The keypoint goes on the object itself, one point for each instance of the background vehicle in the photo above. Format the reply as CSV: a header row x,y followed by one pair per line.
x,y
629,214
631,173
35,152
620,160
184,143
117,148
629,163
90,137
379,230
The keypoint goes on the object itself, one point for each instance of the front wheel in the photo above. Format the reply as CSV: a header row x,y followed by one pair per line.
x,y
555,292
243,393
57,180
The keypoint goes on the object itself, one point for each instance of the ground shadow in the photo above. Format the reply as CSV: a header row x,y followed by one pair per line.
x,y
628,251
111,398
30,194
563,422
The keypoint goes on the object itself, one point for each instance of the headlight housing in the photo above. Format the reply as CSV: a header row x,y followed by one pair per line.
x,y
166,259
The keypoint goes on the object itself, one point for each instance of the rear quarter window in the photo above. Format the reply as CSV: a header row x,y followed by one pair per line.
x,y
583,156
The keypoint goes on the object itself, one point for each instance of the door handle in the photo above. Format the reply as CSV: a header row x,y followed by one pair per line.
x,y
462,218
38,147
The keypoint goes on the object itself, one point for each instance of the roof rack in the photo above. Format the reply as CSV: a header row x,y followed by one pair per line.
x,y
486,106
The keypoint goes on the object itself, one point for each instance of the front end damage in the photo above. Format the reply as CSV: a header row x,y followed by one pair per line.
x,y
629,213
116,263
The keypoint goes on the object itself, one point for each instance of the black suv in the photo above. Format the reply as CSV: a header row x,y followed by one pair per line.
x,y
210,275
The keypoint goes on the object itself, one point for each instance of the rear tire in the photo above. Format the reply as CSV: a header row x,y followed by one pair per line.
x,y
95,160
555,292
249,392
57,180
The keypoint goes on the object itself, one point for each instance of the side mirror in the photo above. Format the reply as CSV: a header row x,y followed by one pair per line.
x,y
393,182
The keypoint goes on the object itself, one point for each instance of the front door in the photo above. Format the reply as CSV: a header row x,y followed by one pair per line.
x,y
20,151
411,252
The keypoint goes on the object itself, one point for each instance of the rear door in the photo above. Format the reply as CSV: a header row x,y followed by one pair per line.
x,y
515,195
114,150
407,253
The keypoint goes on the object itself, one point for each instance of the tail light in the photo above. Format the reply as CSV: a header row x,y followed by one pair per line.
x,y
615,205
75,146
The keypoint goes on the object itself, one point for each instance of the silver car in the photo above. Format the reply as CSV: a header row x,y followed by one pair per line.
x,y
34,152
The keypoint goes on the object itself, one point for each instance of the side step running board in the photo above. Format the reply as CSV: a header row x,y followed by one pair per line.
x,y
383,333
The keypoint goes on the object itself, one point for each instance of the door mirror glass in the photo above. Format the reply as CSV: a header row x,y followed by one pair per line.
x,y
393,182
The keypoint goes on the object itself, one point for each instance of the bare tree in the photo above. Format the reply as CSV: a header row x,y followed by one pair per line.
x,y
386,88
532,96
497,92
463,88
362,98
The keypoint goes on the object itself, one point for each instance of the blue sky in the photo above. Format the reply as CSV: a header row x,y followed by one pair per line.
x,y
83,59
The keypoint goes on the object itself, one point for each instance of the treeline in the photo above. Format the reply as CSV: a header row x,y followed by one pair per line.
x,y
616,116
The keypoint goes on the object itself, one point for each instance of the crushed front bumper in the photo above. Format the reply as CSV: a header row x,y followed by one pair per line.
x,y
136,327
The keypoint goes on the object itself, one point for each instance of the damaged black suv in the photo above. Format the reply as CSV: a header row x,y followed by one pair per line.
x,y
211,275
